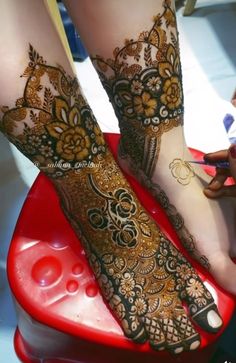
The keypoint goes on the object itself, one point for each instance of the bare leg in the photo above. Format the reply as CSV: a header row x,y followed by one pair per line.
x,y
136,54
142,276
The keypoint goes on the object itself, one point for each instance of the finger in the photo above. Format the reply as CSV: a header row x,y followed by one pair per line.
x,y
232,160
226,191
216,156
218,181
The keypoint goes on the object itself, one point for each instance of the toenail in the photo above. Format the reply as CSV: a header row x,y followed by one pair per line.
x,y
194,345
214,320
178,350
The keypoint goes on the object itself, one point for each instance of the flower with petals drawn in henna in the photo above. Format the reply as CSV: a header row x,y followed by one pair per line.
x,y
184,271
73,143
140,306
182,171
127,285
97,218
126,236
136,87
46,151
145,105
123,204
154,83
194,288
172,93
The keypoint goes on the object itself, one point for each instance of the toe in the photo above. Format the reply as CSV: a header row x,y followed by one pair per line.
x,y
156,337
132,326
134,329
189,335
201,305
174,340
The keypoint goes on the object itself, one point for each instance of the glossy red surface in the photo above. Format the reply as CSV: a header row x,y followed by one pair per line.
x,y
58,298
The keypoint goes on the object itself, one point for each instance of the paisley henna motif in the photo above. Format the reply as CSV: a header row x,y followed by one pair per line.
x,y
141,275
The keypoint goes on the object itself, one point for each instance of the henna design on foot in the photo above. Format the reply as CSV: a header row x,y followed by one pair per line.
x,y
141,275
144,84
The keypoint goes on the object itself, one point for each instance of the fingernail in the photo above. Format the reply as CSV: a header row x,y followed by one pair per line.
x,y
214,320
232,151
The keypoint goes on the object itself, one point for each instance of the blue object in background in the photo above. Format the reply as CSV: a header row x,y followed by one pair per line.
x,y
228,121
78,51
230,127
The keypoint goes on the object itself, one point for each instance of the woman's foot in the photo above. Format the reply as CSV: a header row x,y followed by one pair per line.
x,y
142,276
143,81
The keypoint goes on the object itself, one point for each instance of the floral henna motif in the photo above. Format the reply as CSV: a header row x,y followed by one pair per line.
x,y
175,218
142,276
144,85
182,171
51,123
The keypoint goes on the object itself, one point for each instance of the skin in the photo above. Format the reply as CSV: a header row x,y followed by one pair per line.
x,y
143,278
139,66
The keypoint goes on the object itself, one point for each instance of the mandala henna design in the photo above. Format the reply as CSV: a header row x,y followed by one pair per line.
x,y
144,84
141,275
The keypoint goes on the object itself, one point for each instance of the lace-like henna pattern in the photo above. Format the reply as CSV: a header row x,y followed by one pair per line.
x,y
144,85
142,276
51,123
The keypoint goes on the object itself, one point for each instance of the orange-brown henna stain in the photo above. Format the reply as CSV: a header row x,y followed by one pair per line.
x,y
144,84
141,274
182,171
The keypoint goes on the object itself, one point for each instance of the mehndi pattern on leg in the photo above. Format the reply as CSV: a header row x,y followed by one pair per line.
x,y
144,84
141,275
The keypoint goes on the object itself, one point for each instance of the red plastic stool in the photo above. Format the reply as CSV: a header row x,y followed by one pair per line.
x,y
62,316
